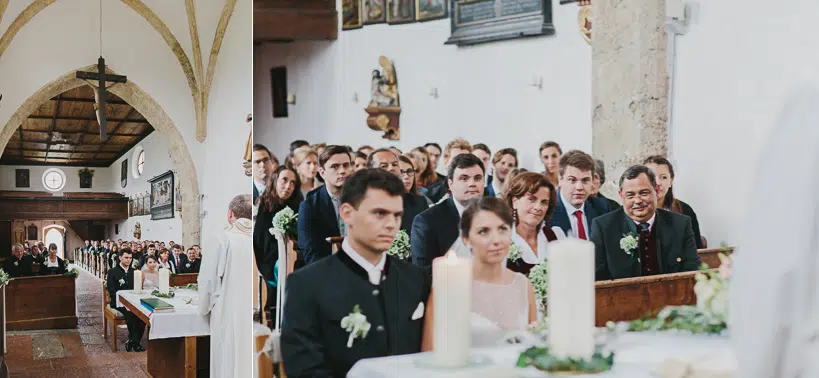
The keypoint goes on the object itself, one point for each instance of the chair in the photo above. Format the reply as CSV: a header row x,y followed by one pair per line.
x,y
110,315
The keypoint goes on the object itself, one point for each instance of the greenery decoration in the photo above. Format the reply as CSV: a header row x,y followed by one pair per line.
x,y
73,272
4,278
400,247
157,294
541,359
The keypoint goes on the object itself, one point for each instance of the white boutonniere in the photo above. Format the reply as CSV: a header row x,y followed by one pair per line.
x,y
134,265
188,265
356,324
629,243
121,282
514,253
16,263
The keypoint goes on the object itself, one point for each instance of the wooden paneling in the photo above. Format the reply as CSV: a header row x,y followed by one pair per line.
x,y
183,279
288,20
46,302
34,207
633,298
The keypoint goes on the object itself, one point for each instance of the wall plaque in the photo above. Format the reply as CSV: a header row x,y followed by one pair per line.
x,y
479,21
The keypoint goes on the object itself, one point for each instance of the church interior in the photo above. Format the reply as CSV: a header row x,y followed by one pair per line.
x,y
123,127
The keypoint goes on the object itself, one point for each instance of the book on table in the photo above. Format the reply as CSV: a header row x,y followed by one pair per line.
x,y
156,305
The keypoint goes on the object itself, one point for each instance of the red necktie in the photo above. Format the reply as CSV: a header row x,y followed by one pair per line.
x,y
581,231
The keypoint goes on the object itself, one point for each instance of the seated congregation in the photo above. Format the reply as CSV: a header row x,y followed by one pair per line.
x,y
352,206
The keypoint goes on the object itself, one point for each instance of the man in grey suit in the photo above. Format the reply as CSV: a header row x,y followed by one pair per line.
x,y
663,241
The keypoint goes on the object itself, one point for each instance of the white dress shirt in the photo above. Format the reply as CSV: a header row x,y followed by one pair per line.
x,y
259,187
526,254
373,271
570,210
497,186
461,250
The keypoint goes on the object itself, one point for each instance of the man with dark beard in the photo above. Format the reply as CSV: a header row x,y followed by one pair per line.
x,y
642,240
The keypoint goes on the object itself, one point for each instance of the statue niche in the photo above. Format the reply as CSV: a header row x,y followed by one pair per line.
x,y
384,108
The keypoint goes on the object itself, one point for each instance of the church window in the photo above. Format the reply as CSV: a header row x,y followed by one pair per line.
x,y
141,162
54,179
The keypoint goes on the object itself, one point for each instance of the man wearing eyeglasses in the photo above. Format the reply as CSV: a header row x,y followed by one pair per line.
x,y
414,204
318,213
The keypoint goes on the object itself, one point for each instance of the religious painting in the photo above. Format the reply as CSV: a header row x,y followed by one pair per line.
x,y
400,11
146,205
482,21
123,173
428,10
373,12
385,106
138,206
31,232
179,198
19,237
21,177
350,14
162,196
86,176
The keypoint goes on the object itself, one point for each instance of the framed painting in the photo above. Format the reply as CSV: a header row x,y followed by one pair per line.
x,y
21,177
31,232
146,205
373,12
400,11
428,10
162,196
350,14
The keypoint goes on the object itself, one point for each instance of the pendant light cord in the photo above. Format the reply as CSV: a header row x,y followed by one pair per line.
x,y
100,27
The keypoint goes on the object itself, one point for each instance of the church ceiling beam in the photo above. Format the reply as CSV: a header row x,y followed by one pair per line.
x,y
90,100
114,130
75,118
21,140
53,126
81,139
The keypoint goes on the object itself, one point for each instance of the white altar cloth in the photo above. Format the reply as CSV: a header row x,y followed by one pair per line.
x,y
183,321
637,355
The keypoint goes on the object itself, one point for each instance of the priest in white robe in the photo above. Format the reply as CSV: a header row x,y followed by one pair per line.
x,y
225,287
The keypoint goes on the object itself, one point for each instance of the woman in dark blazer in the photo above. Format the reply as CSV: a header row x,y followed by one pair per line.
x,y
282,191
53,264
665,180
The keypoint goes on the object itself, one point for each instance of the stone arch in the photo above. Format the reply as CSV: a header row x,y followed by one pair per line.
x,y
145,104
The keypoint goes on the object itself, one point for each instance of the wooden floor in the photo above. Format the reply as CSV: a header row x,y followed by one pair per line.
x,y
75,353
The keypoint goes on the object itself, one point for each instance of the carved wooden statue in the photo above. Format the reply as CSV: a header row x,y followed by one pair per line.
x,y
385,106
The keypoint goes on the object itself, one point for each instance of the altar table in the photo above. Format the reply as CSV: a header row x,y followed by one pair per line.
x,y
178,341
636,356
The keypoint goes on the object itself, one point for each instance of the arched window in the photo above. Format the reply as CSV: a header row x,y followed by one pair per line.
x,y
141,162
54,179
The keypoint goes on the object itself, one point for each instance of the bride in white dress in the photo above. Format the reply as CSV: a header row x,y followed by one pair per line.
x,y
503,301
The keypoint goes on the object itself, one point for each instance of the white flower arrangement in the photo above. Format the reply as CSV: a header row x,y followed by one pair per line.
x,y
539,277
121,282
400,247
514,252
356,324
629,243
286,221
4,277
712,289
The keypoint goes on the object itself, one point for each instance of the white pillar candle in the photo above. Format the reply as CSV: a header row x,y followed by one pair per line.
x,y
571,298
164,281
452,288
137,280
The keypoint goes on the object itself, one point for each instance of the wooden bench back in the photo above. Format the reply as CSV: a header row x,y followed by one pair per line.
x,y
710,256
41,302
633,298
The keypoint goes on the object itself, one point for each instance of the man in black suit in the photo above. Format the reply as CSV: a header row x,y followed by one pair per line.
x,y
191,264
318,213
439,190
575,208
666,241
13,266
391,293
264,163
435,230
121,277
414,204
178,257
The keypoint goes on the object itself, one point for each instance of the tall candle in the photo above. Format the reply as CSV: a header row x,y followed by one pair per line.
x,y
164,281
571,298
452,288
137,280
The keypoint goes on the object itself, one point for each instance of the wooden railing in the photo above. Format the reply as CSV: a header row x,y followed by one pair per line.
x,y
41,302
710,256
633,298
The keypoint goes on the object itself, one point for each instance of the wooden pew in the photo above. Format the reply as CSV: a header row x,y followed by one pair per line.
x,y
633,298
710,256
41,302
183,279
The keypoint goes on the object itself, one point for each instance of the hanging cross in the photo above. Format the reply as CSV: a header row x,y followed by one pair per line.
x,y
100,92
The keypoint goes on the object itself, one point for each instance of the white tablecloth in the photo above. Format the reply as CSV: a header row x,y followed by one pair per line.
x,y
183,321
637,356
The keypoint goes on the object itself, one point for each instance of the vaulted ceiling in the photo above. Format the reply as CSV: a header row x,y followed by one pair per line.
x,y
64,132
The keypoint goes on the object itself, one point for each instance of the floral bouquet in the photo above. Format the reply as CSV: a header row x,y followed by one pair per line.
x,y
286,221
4,278
74,272
514,253
539,276
400,247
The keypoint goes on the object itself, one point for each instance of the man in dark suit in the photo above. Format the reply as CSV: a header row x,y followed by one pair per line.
x,y
665,239
437,191
13,266
318,213
414,204
575,208
191,264
178,257
121,277
391,293
435,230
264,163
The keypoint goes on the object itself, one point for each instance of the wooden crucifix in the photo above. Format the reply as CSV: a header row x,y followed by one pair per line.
x,y
100,92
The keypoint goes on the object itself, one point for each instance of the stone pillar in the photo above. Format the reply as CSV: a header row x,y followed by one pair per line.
x,y
629,82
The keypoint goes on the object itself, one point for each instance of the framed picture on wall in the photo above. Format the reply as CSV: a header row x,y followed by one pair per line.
x,y
350,14
400,11
31,232
21,178
428,10
146,205
373,12
162,196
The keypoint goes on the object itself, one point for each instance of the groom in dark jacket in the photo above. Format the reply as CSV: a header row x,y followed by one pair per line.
x,y
388,291
663,241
